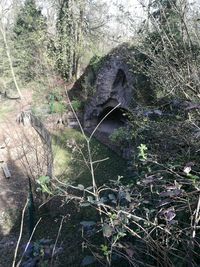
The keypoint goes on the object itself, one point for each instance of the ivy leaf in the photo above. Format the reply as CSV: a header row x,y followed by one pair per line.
x,y
43,180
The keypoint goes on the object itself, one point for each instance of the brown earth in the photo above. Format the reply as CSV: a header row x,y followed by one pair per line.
x,y
20,151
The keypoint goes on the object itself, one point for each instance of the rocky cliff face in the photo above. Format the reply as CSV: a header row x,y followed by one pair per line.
x,y
115,81
116,84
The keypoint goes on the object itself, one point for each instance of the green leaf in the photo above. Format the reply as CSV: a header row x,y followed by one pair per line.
x,y
105,250
142,152
43,180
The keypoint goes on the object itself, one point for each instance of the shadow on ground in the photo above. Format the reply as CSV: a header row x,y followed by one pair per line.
x,y
13,195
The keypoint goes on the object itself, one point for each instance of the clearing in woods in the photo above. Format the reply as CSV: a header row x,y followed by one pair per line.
x,y
20,151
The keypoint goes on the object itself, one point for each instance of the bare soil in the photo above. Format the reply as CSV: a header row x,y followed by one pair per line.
x,y
16,142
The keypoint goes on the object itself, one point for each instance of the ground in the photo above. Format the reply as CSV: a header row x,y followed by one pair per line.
x,y
12,190
21,148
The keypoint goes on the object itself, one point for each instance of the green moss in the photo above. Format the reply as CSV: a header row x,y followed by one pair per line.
x,y
96,62
70,154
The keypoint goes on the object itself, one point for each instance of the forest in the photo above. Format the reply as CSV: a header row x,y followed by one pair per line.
x,y
100,133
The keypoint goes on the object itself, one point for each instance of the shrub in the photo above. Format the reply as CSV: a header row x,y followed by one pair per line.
x,y
120,136
76,104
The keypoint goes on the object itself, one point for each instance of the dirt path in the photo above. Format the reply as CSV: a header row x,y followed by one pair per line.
x,y
13,190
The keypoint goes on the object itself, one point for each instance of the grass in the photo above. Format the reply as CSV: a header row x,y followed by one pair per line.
x,y
71,168
69,147
69,153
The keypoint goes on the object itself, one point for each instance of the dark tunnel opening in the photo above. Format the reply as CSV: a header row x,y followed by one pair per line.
x,y
116,119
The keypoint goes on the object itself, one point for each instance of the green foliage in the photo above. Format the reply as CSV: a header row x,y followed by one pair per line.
x,y
168,45
76,104
29,20
59,107
64,50
4,66
167,136
69,163
142,155
41,251
120,136
44,184
165,15
148,214
105,250
148,217
96,62
68,45
56,105
29,41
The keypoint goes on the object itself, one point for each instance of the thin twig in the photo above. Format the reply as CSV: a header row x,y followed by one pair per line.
x,y
100,160
103,120
20,234
54,247
10,60
197,218
28,243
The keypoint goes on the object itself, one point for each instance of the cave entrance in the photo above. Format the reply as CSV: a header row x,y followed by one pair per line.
x,y
116,119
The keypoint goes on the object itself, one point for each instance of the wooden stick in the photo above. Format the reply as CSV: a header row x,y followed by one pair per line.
x,y
6,171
